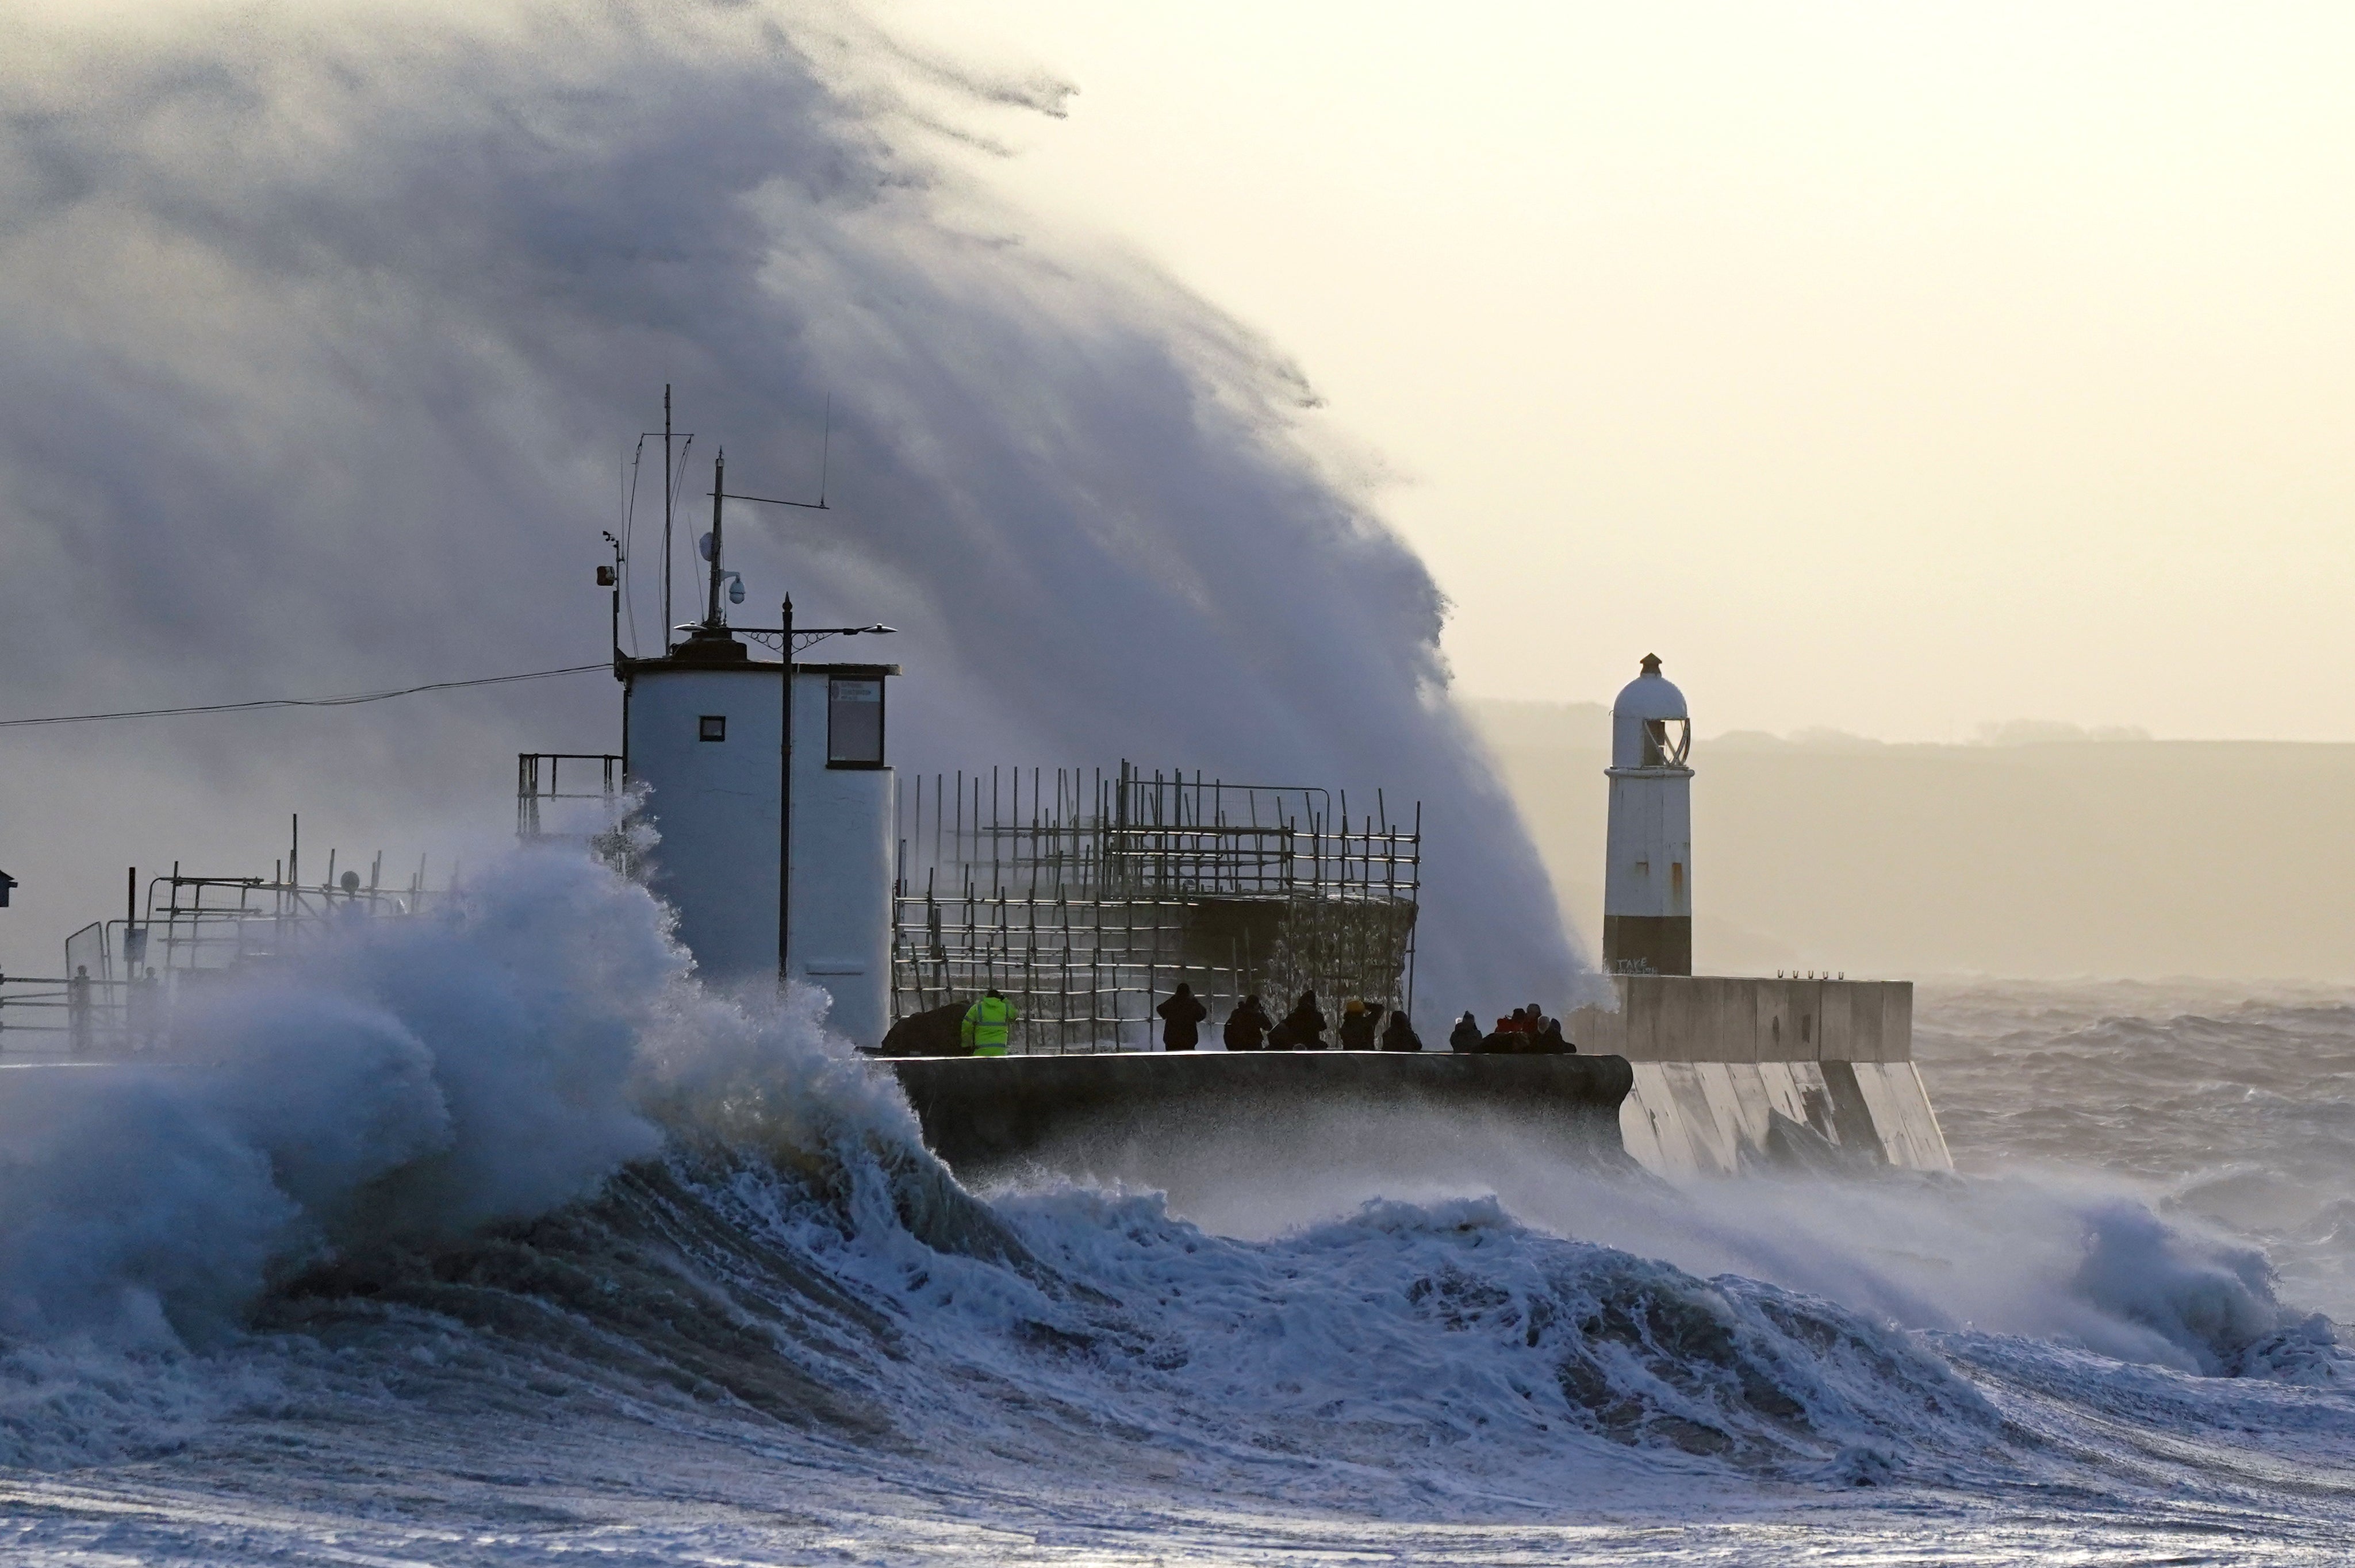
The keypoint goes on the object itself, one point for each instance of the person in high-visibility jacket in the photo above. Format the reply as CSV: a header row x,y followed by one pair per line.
x,y
983,1031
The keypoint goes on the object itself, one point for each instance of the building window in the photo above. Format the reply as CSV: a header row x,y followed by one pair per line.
x,y
854,721
711,727
1666,742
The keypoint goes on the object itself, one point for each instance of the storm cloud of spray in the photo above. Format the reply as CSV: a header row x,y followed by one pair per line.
x,y
330,338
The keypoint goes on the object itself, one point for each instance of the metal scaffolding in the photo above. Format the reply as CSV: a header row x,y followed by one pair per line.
x,y
1085,897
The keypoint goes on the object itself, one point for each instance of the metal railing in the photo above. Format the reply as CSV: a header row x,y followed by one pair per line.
x,y
541,778
124,978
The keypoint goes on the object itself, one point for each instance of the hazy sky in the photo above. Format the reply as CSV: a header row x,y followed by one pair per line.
x,y
1895,367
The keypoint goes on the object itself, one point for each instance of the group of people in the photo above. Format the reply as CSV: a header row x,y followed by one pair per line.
x,y
1527,1031
1248,1027
1524,1031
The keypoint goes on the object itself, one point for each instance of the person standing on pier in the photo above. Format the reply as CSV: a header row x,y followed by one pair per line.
x,y
1181,1017
1247,1026
986,1023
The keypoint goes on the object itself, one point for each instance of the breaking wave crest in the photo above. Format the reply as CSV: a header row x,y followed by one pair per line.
x,y
517,1159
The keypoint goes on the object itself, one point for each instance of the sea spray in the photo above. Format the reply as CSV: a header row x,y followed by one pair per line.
x,y
727,1233
338,334
521,1114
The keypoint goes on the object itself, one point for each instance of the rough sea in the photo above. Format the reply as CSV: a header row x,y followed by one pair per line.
x,y
495,1240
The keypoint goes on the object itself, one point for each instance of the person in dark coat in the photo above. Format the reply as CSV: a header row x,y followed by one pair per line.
x,y
1303,1028
1357,1026
1465,1039
1553,1043
1248,1024
1401,1036
1180,1017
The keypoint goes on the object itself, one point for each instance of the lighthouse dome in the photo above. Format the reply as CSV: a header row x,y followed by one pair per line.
x,y
1649,727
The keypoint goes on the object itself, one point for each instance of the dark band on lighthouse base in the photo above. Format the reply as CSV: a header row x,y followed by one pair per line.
x,y
1648,944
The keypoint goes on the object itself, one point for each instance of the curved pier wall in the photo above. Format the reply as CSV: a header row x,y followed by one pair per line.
x,y
1730,1072
1134,1110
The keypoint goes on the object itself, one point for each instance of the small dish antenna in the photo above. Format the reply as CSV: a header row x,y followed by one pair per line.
x,y
703,546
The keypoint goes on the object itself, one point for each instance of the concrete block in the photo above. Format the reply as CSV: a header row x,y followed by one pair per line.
x,y
1852,1119
1637,1134
1897,1021
1750,1102
1638,1017
1712,1144
1716,1082
1814,1098
1868,1000
1665,1122
1683,1027
1782,1090
1788,1013
1656,1018
1901,1114
1730,1018
1595,1030
1835,1029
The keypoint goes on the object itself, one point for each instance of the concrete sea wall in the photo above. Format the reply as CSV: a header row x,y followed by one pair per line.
x,y
1731,1072
1114,1109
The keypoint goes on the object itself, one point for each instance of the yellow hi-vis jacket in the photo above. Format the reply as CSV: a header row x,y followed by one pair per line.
x,y
983,1029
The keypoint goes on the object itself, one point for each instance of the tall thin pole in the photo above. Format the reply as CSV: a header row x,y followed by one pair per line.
x,y
666,509
786,804
719,483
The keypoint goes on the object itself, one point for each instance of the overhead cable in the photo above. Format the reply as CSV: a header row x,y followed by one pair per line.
x,y
342,702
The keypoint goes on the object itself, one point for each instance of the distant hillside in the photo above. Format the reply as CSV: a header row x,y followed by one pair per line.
x,y
2115,858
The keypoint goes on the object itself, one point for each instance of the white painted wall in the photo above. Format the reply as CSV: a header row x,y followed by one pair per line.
x,y
715,804
840,916
1648,864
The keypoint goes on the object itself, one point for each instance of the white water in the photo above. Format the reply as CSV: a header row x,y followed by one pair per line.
x,y
495,1239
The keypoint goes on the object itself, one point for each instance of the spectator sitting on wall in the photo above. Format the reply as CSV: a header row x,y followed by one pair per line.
x,y
1401,1036
1180,1015
1248,1024
1465,1039
1553,1043
1357,1026
1515,1033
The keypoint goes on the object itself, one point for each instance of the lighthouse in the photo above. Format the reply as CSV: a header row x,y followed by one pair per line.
x,y
1647,880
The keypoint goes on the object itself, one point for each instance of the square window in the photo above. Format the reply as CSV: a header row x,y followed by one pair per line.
x,y
711,727
854,722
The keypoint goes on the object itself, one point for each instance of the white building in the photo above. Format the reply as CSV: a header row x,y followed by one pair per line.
x,y
777,856
1647,877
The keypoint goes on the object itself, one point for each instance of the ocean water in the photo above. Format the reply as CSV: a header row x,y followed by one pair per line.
x,y
495,1239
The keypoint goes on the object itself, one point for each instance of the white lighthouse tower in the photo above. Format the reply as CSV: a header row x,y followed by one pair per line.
x,y
1647,880
767,782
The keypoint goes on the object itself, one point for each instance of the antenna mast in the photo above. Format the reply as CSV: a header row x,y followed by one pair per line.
x,y
719,489
666,502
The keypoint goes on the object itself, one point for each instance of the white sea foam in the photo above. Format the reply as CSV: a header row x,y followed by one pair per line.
x,y
450,1171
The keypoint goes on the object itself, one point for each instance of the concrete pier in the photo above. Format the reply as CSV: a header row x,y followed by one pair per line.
x,y
985,1112
1732,1071
1689,1076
